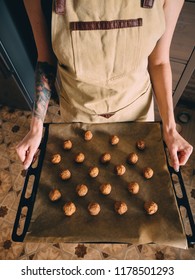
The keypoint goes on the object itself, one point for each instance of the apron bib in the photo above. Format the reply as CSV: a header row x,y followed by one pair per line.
x,y
102,47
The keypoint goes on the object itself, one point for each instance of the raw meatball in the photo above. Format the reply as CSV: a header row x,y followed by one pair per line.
x,y
151,207
120,207
65,174
54,195
140,144
120,169
80,157
55,159
88,135
93,171
81,190
105,158
148,172
69,208
133,187
105,188
114,140
67,145
132,158
94,208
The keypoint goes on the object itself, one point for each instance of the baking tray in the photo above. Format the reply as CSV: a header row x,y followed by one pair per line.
x,y
45,221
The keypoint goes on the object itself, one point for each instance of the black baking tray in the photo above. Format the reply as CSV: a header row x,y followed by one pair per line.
x,y
28,202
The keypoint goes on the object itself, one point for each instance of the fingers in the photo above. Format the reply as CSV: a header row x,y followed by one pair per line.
x,y
179,158
174,159
29,158
26,155
21,152
184,155
27,148
36,155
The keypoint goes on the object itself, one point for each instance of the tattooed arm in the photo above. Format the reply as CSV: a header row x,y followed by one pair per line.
x,y
44,81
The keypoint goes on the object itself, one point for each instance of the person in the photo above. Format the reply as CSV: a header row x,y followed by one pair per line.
x,y
111,56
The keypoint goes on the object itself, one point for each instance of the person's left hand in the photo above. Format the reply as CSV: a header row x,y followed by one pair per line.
x,y
179,149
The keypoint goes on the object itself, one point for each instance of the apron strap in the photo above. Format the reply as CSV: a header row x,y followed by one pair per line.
x,y
147,3
59,6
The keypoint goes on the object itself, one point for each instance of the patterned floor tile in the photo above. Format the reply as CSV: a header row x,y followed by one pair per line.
x,y
156,252
9,250
132,253
112,250
50,252
5,183
85,252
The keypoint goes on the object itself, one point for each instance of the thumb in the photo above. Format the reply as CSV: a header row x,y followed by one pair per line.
x,y
174,159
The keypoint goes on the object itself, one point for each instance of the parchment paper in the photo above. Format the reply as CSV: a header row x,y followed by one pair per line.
x,y
49,224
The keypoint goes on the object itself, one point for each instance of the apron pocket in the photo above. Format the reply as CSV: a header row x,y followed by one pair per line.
x,y
105,50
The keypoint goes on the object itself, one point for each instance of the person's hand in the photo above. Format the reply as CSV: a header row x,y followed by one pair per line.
x,y
179,149
28,147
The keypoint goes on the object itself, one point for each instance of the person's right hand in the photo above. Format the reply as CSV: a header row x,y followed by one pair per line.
x,y
28,147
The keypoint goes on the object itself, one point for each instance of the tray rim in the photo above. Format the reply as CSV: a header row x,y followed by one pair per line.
x,y
29,202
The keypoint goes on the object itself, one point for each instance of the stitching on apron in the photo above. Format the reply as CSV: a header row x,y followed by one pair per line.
x,y
105,25
147,3
60,6
107,116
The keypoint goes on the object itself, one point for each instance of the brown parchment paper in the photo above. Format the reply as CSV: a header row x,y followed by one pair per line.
x,y
48,222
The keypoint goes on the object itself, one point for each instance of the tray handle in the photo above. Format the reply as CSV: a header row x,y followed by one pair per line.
x,y
183,202
29,202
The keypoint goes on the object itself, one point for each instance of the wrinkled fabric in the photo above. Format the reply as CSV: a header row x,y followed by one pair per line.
x,y
102,47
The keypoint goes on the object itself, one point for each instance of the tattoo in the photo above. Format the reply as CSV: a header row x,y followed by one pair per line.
x,y
44,83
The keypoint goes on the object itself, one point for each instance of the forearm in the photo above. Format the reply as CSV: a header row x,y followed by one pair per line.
x,y
45,68
44,81
44,85
161,77
159,65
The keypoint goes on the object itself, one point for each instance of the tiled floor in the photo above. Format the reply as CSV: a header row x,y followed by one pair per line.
x,y
14,124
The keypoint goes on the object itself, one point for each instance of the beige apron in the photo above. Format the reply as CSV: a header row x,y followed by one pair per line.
x,y
102,47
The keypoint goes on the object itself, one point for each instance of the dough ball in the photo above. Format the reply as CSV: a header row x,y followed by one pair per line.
x,y
132,158
105,158
114,140
69,208
88,135
148,172
120,169
67,145
94,208
79,158
140,144
120,207
105,188
55,159
65,174
54,195
133,187
151,207
81,190
93,171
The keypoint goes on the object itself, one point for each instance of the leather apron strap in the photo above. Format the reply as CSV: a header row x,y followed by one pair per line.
x,y
59,6
147,3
